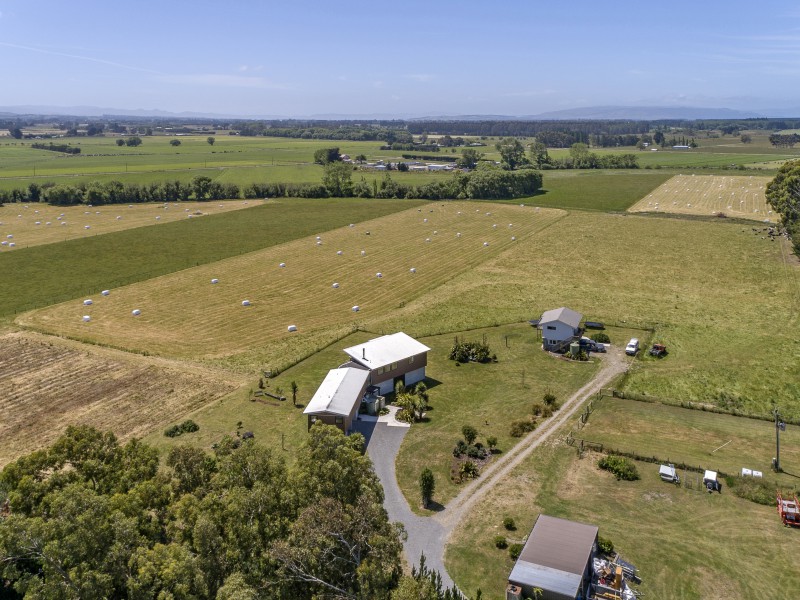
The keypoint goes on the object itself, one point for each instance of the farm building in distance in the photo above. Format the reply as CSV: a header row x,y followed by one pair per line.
x,y
559,326
557,558
338,398
390,359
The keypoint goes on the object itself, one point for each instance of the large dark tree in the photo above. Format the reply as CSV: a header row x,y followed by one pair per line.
x,y
783,195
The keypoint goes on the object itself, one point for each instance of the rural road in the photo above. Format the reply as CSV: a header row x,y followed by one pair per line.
x,y
430,534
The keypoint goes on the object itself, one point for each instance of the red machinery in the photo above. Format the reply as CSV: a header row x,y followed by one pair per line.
x,y
789,511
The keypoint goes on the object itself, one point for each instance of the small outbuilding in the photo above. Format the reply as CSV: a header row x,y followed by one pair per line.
x,y
559,327
338,398
390,359
557,559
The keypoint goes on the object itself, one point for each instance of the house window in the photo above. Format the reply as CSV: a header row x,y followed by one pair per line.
x,y
551,327
411,360
394,366
380,370
339,420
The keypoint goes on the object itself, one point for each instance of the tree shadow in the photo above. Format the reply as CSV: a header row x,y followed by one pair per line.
x,y
299,405
434,506
790,474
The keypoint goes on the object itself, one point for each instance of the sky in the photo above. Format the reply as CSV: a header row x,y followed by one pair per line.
x,y
300,58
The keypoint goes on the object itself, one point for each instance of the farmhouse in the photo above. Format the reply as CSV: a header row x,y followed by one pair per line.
x,y
338,398
390,359
557,558
559,326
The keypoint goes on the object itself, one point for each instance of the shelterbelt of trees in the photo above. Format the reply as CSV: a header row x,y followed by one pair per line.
x,y
89,518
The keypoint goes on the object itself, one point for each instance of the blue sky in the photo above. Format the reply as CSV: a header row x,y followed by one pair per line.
x,y
408,58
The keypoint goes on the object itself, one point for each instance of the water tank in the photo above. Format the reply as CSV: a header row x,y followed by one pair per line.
x,y
574,349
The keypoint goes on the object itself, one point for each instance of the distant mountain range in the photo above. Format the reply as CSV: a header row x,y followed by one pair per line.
x,y
636,113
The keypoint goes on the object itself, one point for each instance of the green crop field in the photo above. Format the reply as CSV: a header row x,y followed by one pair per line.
x,y
44,275
185,315
687,544
714,441
705,286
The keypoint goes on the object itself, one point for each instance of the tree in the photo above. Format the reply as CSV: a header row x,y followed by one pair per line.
x,y
427,485
210,140
469,433
538,152
16,133
512,153
201,186
783,195
174,142
338,179
658,138
469,158
324,156
579,154
120,142
294,388
134,141
361,158
746,138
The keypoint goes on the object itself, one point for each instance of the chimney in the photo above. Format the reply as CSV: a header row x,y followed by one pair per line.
x,y
363,353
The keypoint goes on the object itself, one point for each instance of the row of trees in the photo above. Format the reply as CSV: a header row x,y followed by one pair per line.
x,y
784,140
513,156
783,195
89,518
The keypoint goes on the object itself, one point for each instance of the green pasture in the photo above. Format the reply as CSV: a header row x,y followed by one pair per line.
x,y
43,275
724,299
687,544
694,437
487,396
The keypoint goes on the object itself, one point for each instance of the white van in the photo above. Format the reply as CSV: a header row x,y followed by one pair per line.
x,y
632,348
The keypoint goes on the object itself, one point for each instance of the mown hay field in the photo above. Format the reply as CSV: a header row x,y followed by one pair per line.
x,y
47,384
39,223
186,315
710,195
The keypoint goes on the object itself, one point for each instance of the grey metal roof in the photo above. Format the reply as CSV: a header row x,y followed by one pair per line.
x,y
547,578
338,392
559,544
386,350
563,315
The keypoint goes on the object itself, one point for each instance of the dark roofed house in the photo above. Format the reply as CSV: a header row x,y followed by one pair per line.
x,y
557,559
559,327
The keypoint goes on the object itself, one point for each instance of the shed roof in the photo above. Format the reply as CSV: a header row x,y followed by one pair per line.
x,y
338,392
563,315
555,555
386,350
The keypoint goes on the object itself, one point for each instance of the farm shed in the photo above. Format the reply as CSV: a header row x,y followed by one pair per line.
x,y
338,398
559,326
557,558
390,359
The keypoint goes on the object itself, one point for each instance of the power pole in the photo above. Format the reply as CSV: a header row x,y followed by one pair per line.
x,y
779,426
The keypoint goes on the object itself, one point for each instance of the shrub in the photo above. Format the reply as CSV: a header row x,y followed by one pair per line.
x,y
500,542
547,412
469,470
470,352
509,524
475,452
521,427
189,426
460,448
606,545
752,489
601,337
173,431
621,467
469,433
491,441
549,398
514,550
537,409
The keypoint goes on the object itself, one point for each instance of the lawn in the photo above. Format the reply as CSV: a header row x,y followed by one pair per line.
x,y
722,298
710,195
487,396
185,315
44,275
687,544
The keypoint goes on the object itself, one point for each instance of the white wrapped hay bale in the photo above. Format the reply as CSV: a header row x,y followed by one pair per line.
x,y
378,275
363,253
458,234
412,270
86,318
215,280
86,227
485,243
105,292
335,286
282,265
245,302
136,312
356,308
87,302
513,238
292,328
339,253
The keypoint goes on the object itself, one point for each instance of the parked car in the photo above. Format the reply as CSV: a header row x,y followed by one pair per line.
x,y
591,345
632,348
658,350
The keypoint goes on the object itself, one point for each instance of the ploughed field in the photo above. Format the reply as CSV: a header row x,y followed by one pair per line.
x,y
710,195
186,315
25,225
48,384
